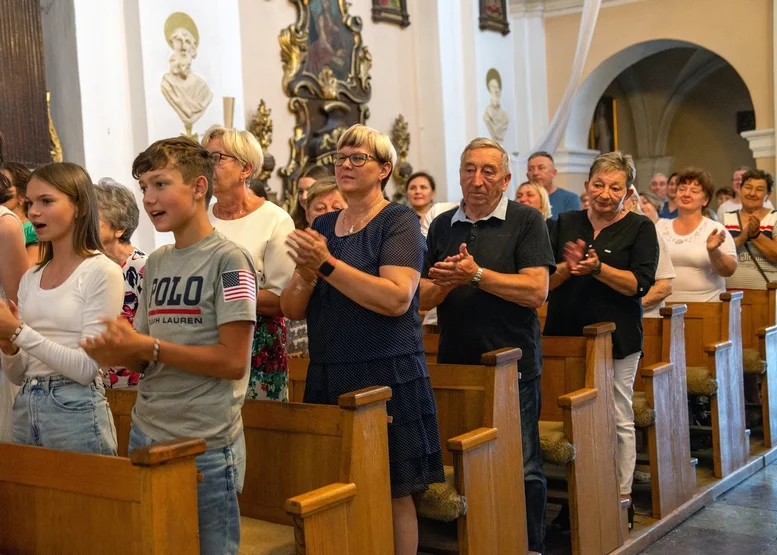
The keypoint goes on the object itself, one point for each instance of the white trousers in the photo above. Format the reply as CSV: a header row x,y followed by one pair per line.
x,y
624,372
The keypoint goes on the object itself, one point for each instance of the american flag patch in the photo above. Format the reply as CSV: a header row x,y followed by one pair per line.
x,y
238,285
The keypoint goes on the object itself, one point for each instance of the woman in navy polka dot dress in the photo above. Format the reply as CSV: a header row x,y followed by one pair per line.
x,y
362,311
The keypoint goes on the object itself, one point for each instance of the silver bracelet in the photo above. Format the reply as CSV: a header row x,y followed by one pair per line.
x,y
16,333
156,350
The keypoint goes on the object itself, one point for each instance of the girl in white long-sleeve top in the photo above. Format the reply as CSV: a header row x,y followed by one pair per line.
x,y
61,403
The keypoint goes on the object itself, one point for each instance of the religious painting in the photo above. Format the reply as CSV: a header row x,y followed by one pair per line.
x,y
330,41
603,135
493,16
391,11
326,75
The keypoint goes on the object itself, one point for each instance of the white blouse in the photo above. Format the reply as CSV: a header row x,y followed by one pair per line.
x,y
696,280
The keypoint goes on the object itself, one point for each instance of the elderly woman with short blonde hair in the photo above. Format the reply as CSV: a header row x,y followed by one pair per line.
x,y
261,228
357,277
534,195
607,258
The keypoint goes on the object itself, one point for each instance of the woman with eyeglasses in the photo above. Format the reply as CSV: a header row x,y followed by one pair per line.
x,y
702,251
261,228
356,281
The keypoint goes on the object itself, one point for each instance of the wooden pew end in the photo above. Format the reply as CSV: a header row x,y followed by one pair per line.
x,y
501,356
320,499
167,451
366,396
472,440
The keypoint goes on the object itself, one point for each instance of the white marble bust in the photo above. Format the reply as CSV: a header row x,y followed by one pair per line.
x,y
494,115
184,90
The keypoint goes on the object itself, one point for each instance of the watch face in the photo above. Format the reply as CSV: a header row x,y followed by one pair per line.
x,y
326,268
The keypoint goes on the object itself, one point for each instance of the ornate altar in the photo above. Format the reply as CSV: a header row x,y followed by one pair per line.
x,y
326,76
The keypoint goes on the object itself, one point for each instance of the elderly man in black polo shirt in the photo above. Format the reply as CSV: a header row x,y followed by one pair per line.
x,y
487,270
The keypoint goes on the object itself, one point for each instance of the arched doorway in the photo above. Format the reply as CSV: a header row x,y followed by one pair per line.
x,y
677,104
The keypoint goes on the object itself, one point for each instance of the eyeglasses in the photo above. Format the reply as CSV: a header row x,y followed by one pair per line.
x,y
357,159
219,156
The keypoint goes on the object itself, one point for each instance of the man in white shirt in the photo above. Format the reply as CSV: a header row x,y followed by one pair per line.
x,y
736,202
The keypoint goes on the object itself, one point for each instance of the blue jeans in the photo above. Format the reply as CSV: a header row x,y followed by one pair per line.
x,y
534,478
58,413
219,516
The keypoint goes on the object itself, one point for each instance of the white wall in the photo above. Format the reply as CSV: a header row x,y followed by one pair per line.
x,y
218,61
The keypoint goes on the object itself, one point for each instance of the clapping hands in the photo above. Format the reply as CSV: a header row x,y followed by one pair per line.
x,y
455,270
578,262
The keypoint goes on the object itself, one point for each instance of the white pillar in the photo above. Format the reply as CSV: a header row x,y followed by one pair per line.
x,y
572,166
648,167
761,141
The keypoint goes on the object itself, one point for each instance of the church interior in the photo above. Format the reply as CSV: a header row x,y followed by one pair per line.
x,y
683,92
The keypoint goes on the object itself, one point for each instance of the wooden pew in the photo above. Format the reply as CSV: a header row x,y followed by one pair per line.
x,y
662,377
577,390
759,332
321,469
482,397
58,502
479,420
713,339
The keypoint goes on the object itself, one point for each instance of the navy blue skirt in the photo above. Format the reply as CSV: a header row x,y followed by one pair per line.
x,y
415,458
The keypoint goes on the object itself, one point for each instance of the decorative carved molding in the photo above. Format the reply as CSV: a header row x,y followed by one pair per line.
x,y
326,75
551,8
762,142
400,137
261,127
573,160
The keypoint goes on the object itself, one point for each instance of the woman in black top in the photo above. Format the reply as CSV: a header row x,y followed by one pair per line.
x,y
607,258
364,327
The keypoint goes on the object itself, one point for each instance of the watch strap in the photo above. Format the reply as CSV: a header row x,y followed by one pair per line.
x,y
476,279
326,269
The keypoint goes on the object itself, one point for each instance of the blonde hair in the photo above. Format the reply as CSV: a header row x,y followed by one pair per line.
x,y
614,161
378,143
238,143
322,187
482,142
545,210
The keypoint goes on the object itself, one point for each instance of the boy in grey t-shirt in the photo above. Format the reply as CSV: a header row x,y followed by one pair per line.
x,y
193,333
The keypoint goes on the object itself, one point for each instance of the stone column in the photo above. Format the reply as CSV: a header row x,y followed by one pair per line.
x,y
573,166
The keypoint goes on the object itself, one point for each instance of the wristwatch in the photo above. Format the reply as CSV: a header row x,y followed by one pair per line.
x,y
327,267
598,270
476,279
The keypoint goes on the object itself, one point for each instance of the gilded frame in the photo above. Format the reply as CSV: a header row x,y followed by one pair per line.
x,y
335,91
398,16
494,22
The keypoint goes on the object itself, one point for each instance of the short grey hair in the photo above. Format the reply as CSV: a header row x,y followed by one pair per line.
x,y
614,161
482,142
117,207
653,199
